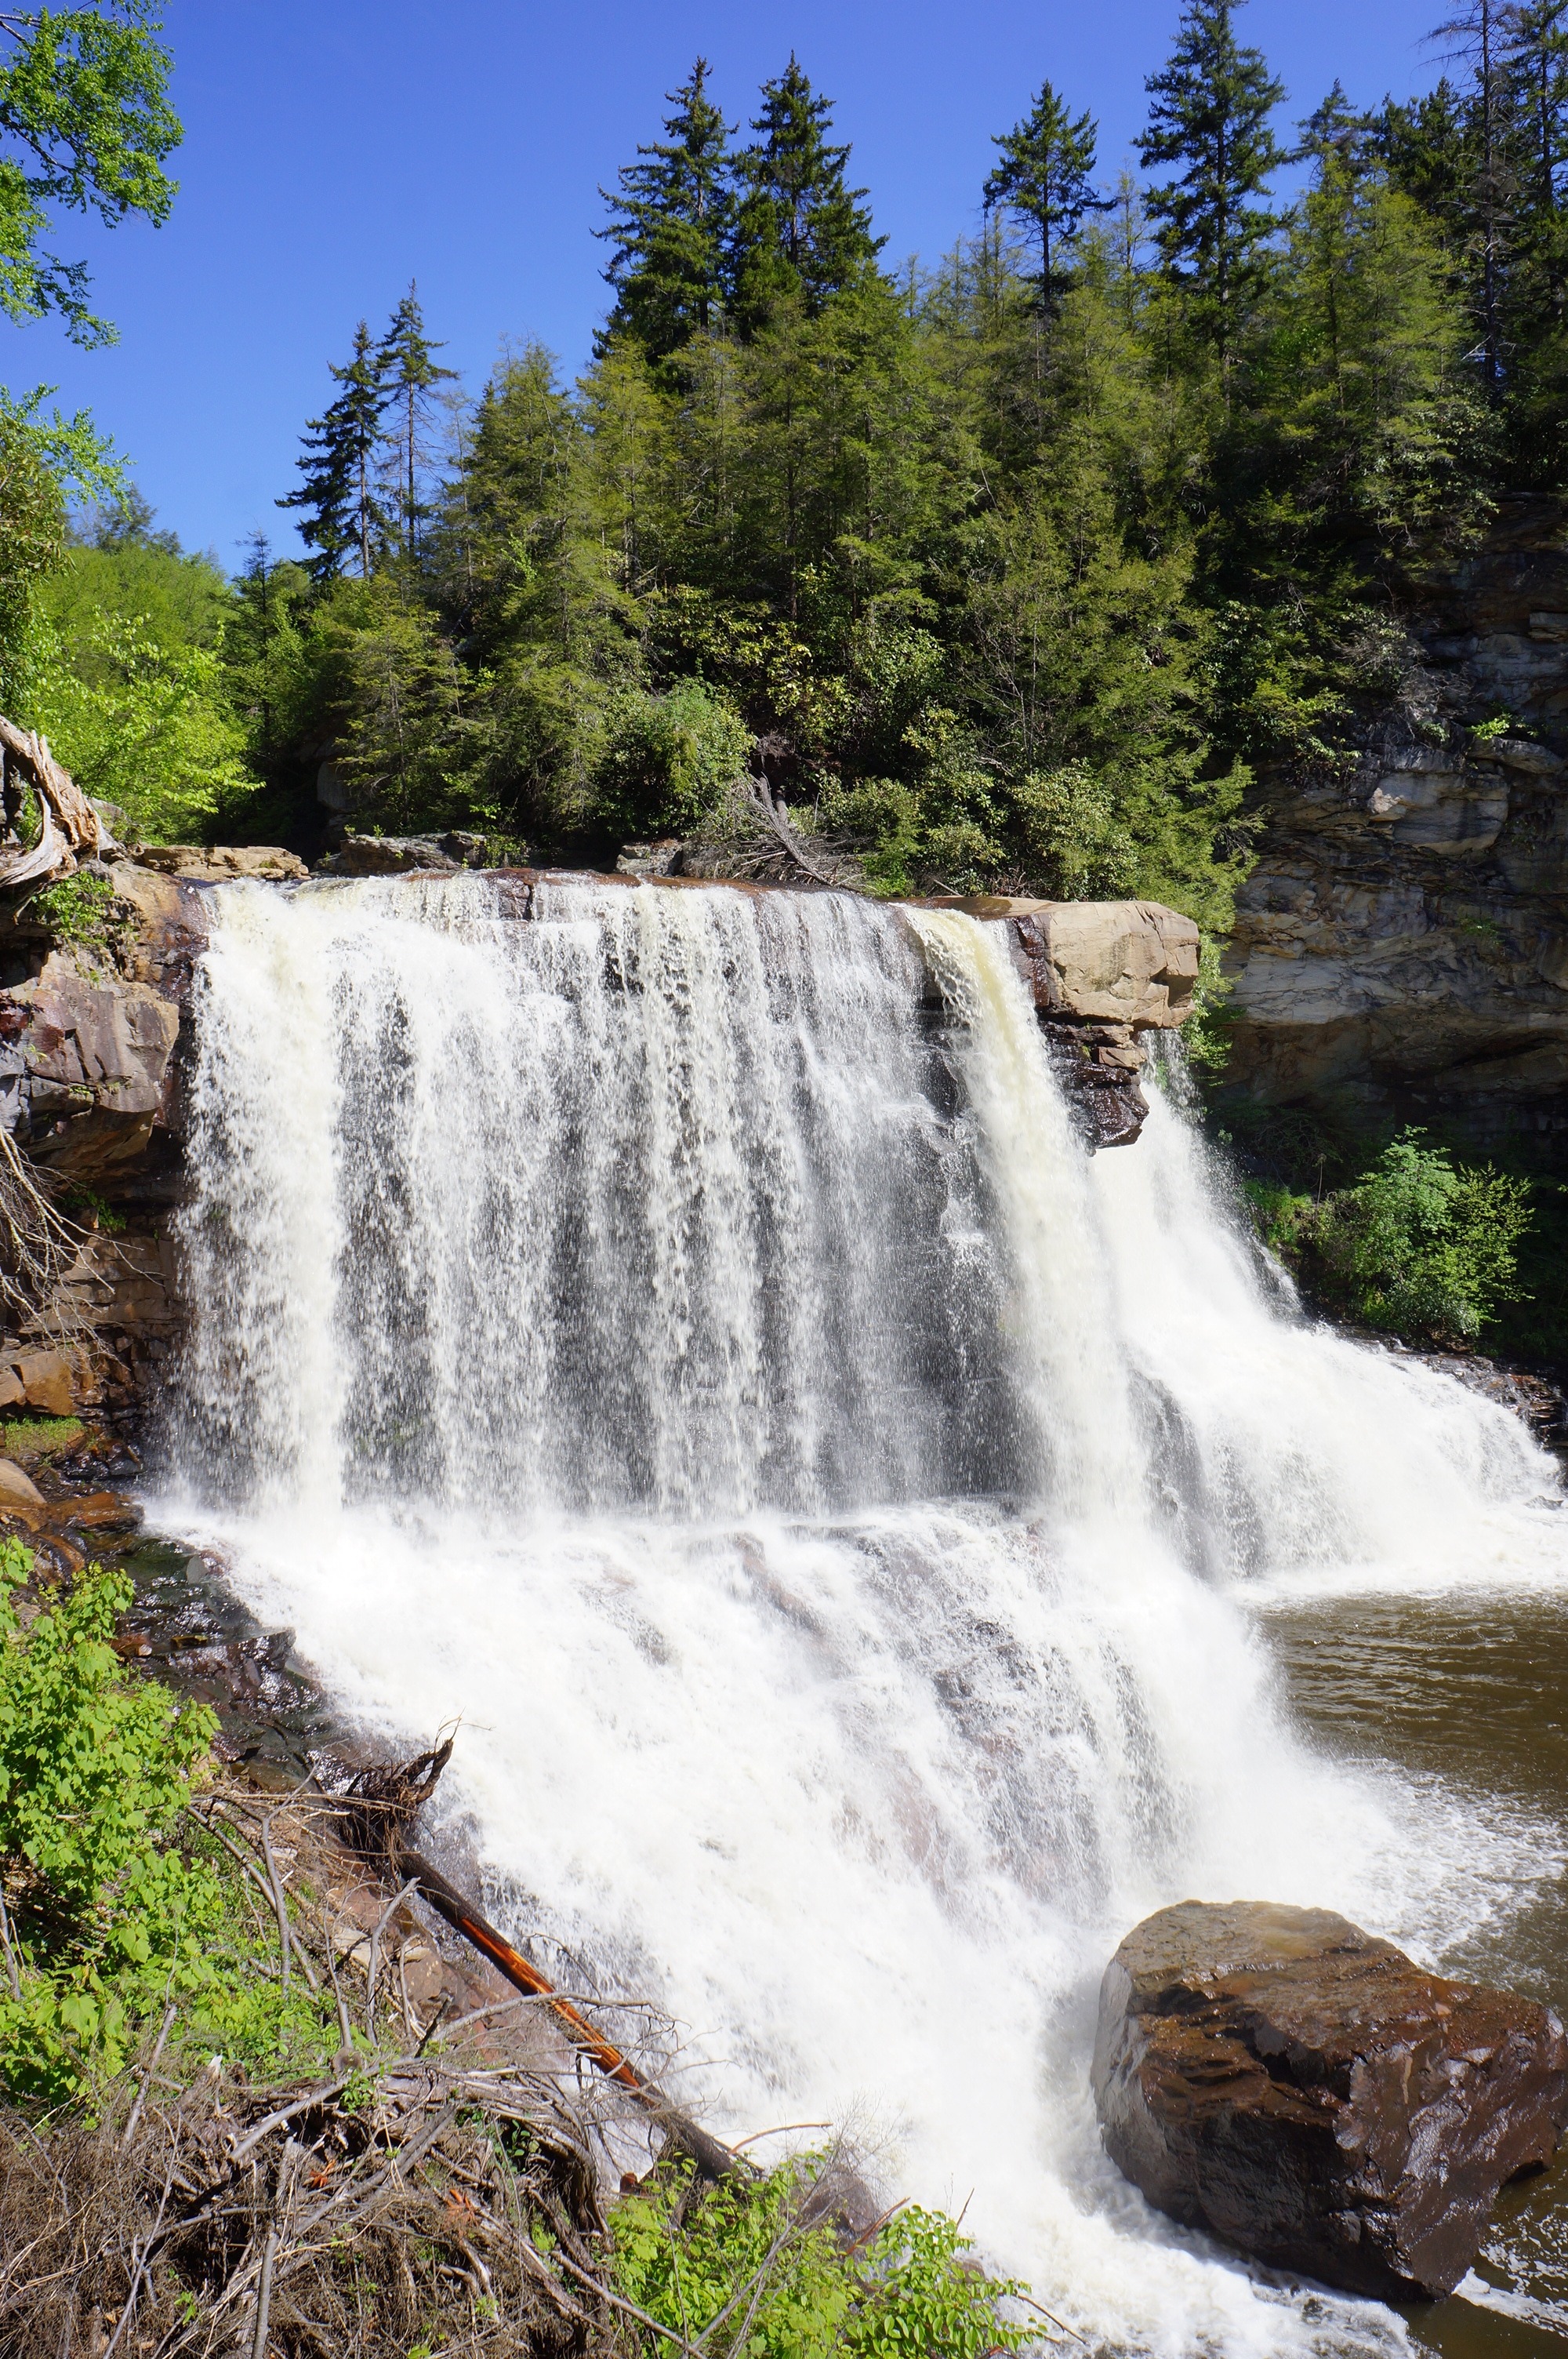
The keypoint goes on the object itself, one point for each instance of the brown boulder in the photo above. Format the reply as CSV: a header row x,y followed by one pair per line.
x,y
19,1494
1109,962
45,1382
1307,2092
201,864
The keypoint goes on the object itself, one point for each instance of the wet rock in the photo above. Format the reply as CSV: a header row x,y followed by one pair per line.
x,y
1304,2091
1132,963
96,1054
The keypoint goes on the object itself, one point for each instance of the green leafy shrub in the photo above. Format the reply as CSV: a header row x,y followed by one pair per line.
x,y
75,909
759,2270
1421,1248
105,1915
665,760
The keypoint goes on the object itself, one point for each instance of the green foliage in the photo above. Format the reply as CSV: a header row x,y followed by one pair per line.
x,y
85,124
747,2270
666,760
142,724
83,1203
28,1438
75,909
41,459
1420,1247
105,1915
672,219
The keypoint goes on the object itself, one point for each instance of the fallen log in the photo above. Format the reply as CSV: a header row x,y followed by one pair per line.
x,y
712,2157
381,1801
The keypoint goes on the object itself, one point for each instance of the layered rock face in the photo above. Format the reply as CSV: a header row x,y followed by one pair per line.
x,y
1401,948
1305,2092
1102,974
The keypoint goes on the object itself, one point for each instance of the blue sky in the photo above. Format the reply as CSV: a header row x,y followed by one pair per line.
x,y
336,148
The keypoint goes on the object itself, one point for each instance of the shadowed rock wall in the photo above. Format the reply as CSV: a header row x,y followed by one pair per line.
x,y
1401,948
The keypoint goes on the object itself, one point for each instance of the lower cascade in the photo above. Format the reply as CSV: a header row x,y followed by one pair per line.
x,y
682,1334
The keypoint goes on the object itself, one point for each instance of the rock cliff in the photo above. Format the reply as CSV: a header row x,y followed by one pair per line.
x,y
1401,948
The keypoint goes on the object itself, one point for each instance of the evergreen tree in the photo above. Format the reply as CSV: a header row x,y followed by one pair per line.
x,y
674,214
1477,34
408,373
1045,177
1210,115
1535,76
342,515
800,234
1426,150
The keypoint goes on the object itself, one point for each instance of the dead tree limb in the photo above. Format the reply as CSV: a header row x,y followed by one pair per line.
x,y
68,822
378,1803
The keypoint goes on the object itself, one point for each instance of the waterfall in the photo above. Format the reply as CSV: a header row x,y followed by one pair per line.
x,y
679,1332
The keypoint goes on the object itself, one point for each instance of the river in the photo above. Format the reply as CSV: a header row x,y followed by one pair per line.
x,y
874,1552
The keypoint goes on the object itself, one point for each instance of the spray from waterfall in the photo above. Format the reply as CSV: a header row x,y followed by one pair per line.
x,y
691,1312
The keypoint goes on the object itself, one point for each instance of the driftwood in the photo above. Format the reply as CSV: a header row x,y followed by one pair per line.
x,y
68,824
381,1802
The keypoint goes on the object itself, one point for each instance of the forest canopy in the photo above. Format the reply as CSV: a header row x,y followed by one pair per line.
x,y
1014,571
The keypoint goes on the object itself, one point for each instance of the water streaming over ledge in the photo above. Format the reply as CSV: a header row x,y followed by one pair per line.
x,y
659,1332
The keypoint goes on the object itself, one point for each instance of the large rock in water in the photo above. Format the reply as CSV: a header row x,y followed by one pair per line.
x,y
1305,2092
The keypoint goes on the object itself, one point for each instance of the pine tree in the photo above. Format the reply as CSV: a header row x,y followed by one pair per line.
x,y
673,216
1535,99
800,234
1476,33
342,515
1210,114
409,373
1045,176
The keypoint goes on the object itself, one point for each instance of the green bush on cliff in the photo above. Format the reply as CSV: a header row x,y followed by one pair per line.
x,y
1420,1247
761,2270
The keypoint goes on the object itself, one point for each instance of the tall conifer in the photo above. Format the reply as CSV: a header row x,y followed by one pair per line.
x,y
409,374
673,216
1210,117
343,514
1476,33
801,234
1045,176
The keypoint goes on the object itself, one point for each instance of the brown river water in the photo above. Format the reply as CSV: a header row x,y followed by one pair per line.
x,y
1473,1690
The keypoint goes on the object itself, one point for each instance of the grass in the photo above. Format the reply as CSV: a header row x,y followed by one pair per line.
x,y
28,1438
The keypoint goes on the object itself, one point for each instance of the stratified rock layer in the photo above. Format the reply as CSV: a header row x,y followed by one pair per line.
x,y
1400,951
1305,2092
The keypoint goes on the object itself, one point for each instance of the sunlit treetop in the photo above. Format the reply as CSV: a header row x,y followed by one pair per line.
x,y
85,126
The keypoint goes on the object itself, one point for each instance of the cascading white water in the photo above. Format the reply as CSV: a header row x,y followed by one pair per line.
x,y
652,1332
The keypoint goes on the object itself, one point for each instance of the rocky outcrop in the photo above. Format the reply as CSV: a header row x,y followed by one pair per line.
x,y
401,855
1306,2093
1401,948
1102,973
200,863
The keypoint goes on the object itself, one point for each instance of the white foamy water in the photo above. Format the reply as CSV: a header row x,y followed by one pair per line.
x,y
660,1333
